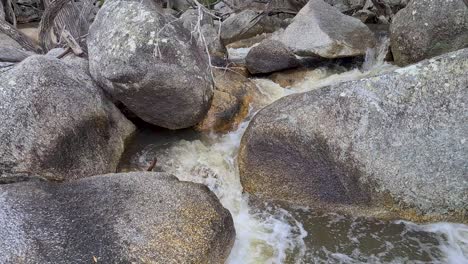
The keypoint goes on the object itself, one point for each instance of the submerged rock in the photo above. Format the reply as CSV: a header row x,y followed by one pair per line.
x,y
150,63
239,86
396,140
270,56
233,97
222,114
321,30
57,123
427,28
115,218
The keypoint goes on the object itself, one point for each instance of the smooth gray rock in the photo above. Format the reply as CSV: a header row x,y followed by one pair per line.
x,y
7,42
428,28
150,63
270,56
57,123
115,218
321,30
402,135
247,24
70,59
13,54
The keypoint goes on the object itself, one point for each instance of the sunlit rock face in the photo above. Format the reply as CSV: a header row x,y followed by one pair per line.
x,y
150,63
322,30
397,140
428,28
114,218
56,122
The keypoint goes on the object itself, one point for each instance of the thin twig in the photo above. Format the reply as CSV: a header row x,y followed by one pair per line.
x,y
152,165
64,53
18,36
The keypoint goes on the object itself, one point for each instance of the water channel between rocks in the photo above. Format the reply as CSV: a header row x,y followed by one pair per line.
x,y
272,234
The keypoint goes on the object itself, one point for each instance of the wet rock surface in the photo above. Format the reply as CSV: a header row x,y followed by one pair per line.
x,y
221,116
113,218
270,56
394,140
57,123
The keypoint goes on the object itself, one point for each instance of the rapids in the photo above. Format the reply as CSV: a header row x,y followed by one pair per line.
x,y
271,234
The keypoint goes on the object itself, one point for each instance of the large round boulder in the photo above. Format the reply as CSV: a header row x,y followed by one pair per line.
x,y
57,123
114,218
150,63
428,28
322,30
395,141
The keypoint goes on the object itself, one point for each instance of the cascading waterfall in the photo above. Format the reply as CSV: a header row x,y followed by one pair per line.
x,y
278,235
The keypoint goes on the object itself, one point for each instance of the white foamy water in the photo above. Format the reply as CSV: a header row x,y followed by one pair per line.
x,y
262,236
275,235
453,239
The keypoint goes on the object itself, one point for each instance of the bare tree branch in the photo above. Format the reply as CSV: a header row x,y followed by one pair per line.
x,y
47,23
2,10
72,43
19,37
152,164
75,17
10,15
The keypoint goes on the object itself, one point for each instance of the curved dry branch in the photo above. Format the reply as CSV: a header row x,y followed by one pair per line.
x,y
2,10
47,23
10,15
19,37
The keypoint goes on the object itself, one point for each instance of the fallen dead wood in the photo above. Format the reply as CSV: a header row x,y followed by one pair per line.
x,y
9,12
2,10
47,23
72,43
64,53
75,17
152,165
19,37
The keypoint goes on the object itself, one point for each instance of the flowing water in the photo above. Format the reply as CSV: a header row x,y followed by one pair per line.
x,y
272,234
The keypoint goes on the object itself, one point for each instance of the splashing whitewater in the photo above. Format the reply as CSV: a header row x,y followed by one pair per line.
x,y
273,234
